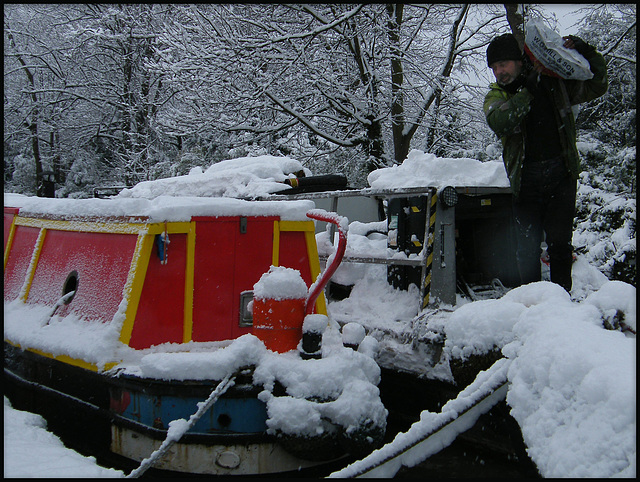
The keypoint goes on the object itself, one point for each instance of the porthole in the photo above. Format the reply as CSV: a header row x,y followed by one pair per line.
x,y
224,420
70,286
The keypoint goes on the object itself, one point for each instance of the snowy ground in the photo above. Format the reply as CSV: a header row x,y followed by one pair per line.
x,y
572,381
31,451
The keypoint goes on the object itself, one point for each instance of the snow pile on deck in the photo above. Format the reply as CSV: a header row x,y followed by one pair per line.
x,y
343,379
340,387
421,169
245,177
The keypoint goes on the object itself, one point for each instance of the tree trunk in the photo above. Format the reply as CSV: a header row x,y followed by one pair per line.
x,y
402,134
400,146
31,124
516,22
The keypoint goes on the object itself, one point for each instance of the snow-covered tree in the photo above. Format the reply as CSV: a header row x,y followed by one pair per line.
x,y
318,79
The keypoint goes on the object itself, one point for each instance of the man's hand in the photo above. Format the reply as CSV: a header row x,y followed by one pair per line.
x,y
576,43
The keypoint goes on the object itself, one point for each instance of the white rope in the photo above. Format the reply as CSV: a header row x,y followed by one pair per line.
x,y
177,428
59,303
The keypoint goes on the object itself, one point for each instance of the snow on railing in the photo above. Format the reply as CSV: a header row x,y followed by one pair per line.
x,y
435,431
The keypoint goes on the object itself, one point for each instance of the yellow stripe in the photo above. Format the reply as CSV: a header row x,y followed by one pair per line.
x,y
68,360
314,265
31,270
181,227
7,248
112,227
309,229
297,226
275,253
84,226
427,289
135,281
187,328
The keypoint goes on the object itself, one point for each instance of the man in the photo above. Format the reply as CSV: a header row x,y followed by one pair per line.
x,y
532,115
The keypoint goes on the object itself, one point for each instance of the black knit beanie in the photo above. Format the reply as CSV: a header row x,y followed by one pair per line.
x,y
504,47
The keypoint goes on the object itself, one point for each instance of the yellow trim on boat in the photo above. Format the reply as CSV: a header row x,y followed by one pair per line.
x,y
187,327
33,264
176,227
135,281
309,229
314,264
7,248
83,226
275,254
297,226
68,360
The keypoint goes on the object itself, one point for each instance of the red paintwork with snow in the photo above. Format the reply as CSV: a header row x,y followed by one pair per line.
x,y
226,262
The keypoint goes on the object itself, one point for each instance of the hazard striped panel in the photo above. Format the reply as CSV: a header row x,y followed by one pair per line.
x,y
426,270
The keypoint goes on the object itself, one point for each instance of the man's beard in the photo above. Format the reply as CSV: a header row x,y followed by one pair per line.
x,y
506,79
514,85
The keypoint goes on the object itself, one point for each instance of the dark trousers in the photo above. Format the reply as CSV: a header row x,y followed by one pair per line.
x,y
546,204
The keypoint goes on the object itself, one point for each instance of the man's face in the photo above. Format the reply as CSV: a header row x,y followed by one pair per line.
x,y
506,71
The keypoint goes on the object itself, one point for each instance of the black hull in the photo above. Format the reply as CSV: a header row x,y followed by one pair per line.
x,y
76,404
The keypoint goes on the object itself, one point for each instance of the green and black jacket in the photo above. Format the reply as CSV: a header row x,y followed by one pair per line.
x,y
505,113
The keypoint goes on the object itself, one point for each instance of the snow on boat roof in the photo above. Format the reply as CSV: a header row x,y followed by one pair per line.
x,y
214,192
245,177
163,208
426,170
222,189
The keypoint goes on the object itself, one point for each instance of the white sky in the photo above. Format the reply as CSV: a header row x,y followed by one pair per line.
x,y
566,17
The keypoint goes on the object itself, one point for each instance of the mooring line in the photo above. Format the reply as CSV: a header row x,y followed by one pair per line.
x,y
175,433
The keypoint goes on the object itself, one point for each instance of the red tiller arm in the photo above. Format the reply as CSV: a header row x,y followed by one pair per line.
x,y
334,261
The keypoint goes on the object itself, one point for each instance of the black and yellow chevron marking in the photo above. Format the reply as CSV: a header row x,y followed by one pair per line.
x,y
426,284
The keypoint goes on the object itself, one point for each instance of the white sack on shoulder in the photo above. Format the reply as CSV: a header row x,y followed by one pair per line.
x,y
546,46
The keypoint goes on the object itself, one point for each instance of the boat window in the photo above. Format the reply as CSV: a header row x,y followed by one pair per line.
x,y
70,286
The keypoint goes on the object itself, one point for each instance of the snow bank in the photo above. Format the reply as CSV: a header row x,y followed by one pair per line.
x,y
572,382
421,169
31,451
573,393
